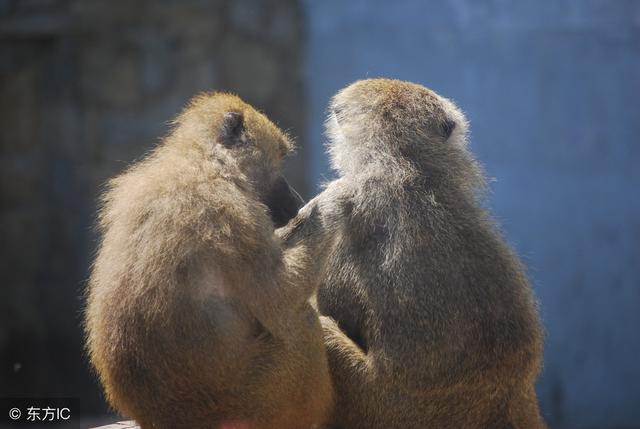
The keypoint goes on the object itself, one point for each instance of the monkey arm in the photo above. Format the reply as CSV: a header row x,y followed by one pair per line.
x,y
357,386
320,216
350,366
306,242
315,225
305,246
284,269
246,260
343,352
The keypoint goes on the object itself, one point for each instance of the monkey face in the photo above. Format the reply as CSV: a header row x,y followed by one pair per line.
x,y
283,202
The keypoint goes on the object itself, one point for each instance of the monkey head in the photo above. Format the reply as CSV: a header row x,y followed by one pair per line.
x,y
383,120
243,142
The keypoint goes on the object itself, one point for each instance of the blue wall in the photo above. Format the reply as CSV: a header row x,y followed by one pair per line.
x,y
552,91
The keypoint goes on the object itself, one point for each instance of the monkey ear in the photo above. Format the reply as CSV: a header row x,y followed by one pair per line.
x,y
447,128
232,129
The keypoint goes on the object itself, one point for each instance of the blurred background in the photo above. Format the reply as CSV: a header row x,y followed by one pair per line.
x,y
551,88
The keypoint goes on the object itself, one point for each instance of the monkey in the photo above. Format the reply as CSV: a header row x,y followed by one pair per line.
x,y
427,314
197,316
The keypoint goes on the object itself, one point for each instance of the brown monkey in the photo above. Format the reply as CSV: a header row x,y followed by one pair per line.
x,y
196,315
435,323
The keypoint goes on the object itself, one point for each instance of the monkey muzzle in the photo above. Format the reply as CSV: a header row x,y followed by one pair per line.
x,y
283,202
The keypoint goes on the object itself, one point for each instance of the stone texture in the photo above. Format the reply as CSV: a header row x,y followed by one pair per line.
x,y
242,57
87,86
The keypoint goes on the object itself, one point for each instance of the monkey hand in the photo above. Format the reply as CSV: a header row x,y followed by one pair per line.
x,y
344,355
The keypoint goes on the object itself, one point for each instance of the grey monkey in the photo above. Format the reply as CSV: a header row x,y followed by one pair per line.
x,y
429,318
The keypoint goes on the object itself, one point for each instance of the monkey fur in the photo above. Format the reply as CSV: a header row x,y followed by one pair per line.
x,y
429,321
197,316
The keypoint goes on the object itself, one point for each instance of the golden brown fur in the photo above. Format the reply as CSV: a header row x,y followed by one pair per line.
x,y
196,316
436,324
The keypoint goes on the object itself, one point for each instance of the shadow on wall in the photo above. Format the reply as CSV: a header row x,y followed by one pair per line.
x,y
551,91
85,88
